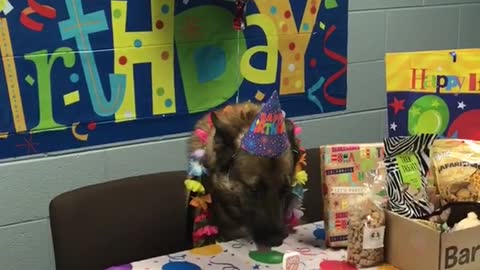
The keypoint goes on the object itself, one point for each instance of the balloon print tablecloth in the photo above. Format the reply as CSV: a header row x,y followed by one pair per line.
x,y
308,240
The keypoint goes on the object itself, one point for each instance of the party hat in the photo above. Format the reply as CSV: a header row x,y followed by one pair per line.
x,y
267,136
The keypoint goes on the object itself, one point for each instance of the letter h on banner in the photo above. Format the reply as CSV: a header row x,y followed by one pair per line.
x,y
155,47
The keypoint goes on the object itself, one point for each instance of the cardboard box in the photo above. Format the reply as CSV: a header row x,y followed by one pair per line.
x,y
410,245
345,168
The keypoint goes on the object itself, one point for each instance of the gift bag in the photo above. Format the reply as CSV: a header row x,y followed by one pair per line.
x,y
434,92
345,170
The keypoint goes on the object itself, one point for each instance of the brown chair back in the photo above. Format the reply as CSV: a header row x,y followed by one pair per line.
x,y
118,222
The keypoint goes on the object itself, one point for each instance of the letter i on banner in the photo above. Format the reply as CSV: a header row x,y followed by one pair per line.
x,y
155,47
292,40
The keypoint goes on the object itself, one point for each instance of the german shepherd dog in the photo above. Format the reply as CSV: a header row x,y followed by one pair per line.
x,y
249,194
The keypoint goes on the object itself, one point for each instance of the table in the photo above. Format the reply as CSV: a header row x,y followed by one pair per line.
x,y
233,255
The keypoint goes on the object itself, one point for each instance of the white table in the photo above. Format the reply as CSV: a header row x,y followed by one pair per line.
x,y
233,255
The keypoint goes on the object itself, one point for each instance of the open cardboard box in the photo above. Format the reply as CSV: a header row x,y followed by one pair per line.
x,y
413,246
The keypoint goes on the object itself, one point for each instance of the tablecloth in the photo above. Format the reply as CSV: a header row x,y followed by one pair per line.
x,y
308,240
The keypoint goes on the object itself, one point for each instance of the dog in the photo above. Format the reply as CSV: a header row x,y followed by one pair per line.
x,y
250,194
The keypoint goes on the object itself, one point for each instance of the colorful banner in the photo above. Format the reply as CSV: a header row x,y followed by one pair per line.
x,y
434,92
86,74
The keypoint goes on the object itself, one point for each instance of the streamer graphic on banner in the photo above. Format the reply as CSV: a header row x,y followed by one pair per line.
x,y
34,7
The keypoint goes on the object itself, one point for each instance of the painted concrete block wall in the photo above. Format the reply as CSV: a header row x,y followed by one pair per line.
x,y
375,27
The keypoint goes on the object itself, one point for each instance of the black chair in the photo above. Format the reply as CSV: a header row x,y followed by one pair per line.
x,y
118,222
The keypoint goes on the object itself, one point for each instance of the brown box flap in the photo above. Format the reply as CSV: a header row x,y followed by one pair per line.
x,y
410,245
461,250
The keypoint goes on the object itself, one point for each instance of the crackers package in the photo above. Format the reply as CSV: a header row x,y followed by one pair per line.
x,y
345,170
407,159
456,167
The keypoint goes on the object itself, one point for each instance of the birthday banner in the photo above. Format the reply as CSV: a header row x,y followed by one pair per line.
x,y
78,74
434,92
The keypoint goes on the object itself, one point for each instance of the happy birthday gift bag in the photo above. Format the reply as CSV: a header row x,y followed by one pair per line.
x,y
434,92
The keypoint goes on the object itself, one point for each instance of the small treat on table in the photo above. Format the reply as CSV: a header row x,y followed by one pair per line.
x,y
406,158
366,234
456,170
344,167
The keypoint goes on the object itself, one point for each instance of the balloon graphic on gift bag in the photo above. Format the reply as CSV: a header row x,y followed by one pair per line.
x,y
428,114
465,126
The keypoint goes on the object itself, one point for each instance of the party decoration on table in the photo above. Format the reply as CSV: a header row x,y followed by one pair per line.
x,y
181,266
291,261
210,250
407,161
267,257
142,64
336,265
434,92
345,168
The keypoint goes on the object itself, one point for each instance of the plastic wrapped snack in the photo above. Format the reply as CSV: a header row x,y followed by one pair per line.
x,y
456,165
345,169
366,227
407,161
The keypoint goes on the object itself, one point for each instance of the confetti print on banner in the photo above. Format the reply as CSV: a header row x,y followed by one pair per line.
x,y
78,136
5,7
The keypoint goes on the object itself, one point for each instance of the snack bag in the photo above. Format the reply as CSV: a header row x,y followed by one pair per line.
x,y
456,165
407,161
345,168
366,228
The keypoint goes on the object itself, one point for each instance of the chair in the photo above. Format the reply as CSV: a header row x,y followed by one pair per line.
x,y
313,201
118,222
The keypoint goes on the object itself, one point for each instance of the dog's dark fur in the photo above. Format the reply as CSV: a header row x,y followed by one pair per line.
x,y
250,194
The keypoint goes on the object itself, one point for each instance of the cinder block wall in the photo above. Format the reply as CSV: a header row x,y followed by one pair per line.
x,y
376,27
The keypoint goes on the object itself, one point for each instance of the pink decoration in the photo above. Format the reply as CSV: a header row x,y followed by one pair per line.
x,y
336,265
198,154
202,135
297,131
205,232
200,218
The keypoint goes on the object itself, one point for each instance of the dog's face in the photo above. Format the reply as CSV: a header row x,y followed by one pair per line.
x,y
252,191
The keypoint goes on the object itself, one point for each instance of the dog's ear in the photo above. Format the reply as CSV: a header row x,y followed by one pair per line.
x,y
224,143
223,133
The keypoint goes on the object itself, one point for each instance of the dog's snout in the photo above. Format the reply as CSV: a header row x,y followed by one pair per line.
x,y
270,238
